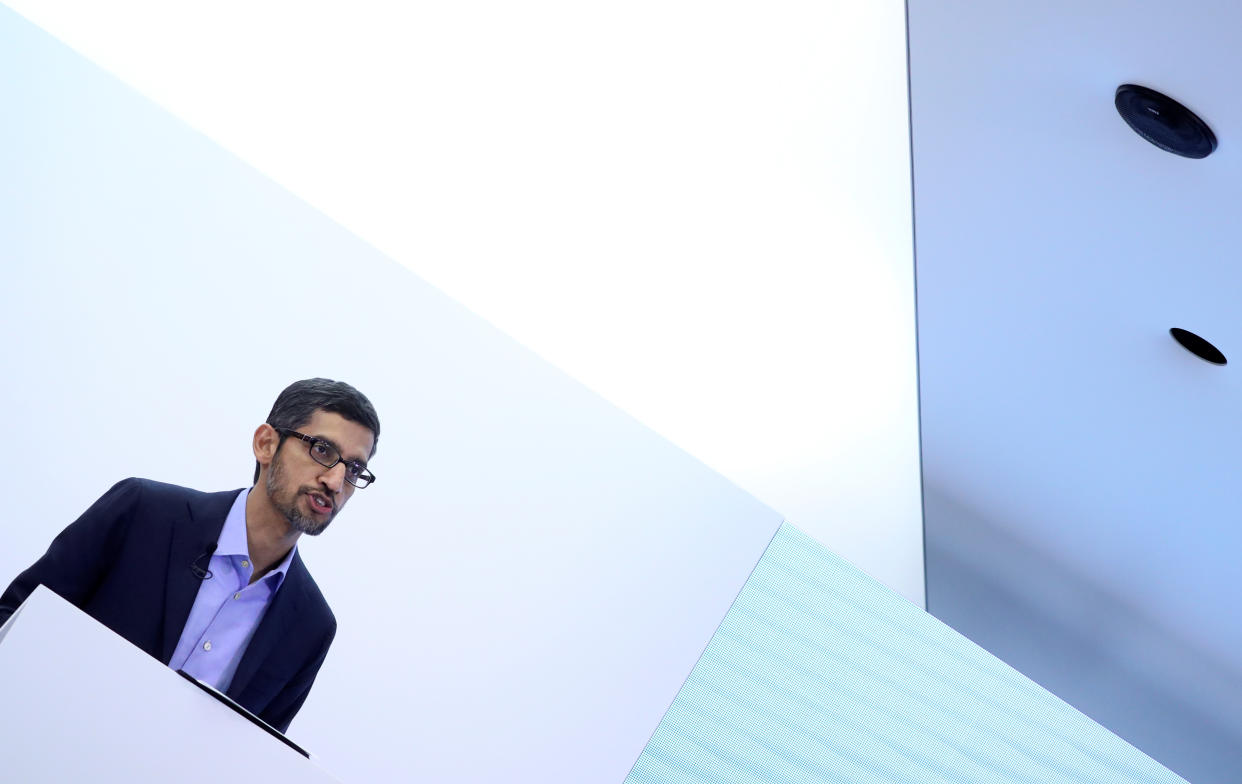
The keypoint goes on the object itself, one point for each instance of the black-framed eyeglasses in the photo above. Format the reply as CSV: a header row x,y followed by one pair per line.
x,y
327,455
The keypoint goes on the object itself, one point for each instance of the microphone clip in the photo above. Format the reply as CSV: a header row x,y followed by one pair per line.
x,y
200,572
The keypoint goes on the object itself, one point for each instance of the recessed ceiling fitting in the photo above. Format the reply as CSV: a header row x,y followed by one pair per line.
x,y
1164,122
1198,346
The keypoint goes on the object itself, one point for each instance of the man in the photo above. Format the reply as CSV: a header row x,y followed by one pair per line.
x,y
212,582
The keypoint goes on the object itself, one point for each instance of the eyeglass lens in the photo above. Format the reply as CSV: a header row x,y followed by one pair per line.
x,y
327,456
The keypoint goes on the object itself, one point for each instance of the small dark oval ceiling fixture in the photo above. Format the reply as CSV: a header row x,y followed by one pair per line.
x,y
1164,122
1198,346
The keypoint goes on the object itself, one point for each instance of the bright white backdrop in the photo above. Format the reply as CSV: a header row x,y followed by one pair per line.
x,y
526,586
701,210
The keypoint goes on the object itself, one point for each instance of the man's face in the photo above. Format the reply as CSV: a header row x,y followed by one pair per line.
x,y
302,490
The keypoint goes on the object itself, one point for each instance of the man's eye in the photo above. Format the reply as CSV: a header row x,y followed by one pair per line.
x,y
321,449
355,469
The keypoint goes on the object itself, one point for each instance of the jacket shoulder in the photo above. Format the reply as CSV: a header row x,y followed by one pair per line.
x,y
151,494
164,491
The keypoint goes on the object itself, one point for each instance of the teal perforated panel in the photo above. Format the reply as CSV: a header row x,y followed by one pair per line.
x,y
820,674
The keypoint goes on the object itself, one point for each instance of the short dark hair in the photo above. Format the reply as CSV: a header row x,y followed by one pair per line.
x,y
300,400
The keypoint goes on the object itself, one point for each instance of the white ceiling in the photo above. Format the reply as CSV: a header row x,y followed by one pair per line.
x,y
1055,248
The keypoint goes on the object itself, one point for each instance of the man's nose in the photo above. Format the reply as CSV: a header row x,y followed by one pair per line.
x,y
334,477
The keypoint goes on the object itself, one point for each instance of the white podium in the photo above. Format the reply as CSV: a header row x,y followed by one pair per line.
x,y
79,703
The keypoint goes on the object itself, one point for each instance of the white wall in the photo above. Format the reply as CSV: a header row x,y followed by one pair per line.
x,y
700,210
527,584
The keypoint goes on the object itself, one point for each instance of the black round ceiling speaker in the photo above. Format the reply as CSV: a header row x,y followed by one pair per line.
x,y
1164,122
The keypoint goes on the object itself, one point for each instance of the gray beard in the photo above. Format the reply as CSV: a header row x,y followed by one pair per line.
x,y
298,521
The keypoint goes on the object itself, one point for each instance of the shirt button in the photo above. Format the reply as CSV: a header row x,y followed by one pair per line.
x,y
245,564
207,645
237,595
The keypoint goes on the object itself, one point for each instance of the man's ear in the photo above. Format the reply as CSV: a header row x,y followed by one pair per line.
x,y
266,440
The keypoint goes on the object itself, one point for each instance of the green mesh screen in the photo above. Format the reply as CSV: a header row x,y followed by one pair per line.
x,y
820,674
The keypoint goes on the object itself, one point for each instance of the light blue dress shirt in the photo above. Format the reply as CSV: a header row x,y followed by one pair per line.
x,y
227,609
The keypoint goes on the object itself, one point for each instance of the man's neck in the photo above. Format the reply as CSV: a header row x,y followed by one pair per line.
x,y
269,537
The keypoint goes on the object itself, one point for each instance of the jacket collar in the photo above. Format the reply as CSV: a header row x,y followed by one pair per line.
x,y
193,534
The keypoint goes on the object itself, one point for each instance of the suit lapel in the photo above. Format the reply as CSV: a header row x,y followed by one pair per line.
x,y
197,528
274,627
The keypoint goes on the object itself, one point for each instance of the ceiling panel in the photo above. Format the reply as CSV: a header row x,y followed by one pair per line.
x,y
1076,459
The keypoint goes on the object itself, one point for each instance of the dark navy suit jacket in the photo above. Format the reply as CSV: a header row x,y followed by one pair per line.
x,y
126,561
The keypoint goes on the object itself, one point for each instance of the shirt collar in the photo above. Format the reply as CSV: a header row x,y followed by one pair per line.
x,y
233,541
